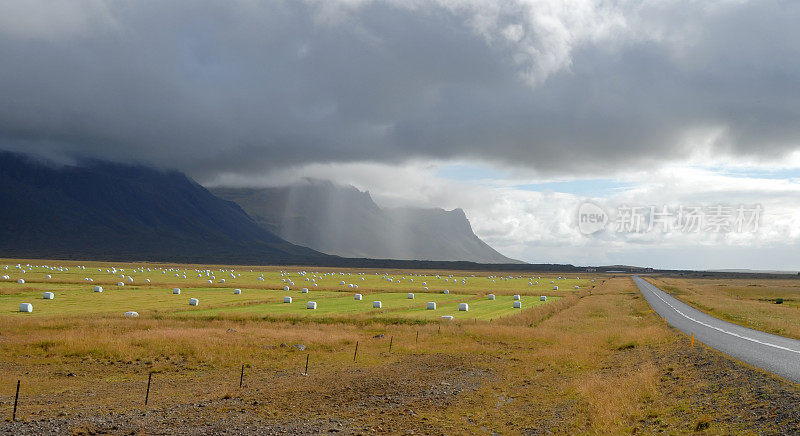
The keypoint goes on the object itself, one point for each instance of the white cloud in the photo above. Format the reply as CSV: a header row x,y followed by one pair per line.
x,y
540,226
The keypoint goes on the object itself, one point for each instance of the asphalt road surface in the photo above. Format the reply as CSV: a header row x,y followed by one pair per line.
x,y
773,353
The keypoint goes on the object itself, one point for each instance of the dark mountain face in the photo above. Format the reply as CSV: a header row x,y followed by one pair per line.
x,y
116,212
346,222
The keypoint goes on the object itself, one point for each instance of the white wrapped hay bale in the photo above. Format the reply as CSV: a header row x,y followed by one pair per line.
x,y
311,305
410,296
26,307
518,305
286,289
48,276
517,297
576,287
304,291
342,283
48,296
431,305
237,291
287,299
447,317
176,291
491,296
147,280
131,314
446,291
358,297
377,305
463,307
21,281
120,284
194,302
543,298
98,289
555,288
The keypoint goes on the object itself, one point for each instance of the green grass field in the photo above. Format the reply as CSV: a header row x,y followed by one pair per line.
x,y
263,290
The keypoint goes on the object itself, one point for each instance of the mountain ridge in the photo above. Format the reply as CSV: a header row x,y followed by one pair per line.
x,y
345,221
117,211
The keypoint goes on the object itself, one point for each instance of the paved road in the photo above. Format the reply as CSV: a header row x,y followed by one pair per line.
x,y
770,352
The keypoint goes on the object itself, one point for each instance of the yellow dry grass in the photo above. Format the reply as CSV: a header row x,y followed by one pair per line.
x,y
593,362
749,302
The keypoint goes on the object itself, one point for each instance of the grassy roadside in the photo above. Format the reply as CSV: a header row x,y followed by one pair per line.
x,y
595,362
747,302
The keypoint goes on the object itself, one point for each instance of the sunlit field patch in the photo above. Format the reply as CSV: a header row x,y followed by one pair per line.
x,y
148,290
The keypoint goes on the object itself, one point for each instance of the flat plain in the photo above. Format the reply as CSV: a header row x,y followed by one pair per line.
x,y
588,360
750,302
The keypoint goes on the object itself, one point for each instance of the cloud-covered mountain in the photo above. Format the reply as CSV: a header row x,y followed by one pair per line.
x,y
101,210
345,221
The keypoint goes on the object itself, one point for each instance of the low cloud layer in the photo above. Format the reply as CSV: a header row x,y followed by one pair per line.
x,y
241,87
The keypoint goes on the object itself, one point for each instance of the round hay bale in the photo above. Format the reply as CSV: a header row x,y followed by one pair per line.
x,y
543,298
287,299
48,296
555,288
491,296
410,296
21,281
446,291
120,284
237,291
377,305
286,289
517,297
131,314
358,297
311,305
518,305
194,302
98,289
304,291
463,307
447,317
431,305
176,291
26,307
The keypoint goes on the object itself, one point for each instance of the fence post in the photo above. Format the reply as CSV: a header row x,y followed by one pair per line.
x,y
307,356
16,398
356,353
241,378
147,395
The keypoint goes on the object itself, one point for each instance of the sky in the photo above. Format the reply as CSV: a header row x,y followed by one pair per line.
x,y
517,111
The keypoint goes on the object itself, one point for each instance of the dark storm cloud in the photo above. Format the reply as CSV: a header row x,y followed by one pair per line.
x,y
211,87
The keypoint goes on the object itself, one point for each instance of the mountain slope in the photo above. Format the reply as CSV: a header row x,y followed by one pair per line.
x,y
113,211
346,222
